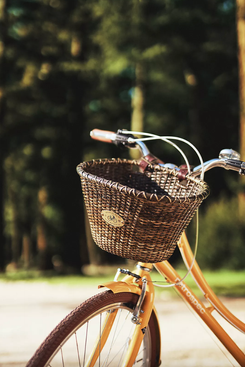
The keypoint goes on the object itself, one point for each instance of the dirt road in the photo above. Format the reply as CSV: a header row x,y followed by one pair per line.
x,y
29,311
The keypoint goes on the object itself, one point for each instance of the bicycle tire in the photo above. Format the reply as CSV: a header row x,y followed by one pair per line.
x,y
53,351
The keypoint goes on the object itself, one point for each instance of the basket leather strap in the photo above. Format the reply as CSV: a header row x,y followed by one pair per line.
x,y
183,172
149,158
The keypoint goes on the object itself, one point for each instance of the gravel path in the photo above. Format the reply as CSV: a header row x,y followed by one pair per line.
x,y
29,311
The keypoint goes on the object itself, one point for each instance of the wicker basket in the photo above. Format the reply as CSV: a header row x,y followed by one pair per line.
x,y
138,215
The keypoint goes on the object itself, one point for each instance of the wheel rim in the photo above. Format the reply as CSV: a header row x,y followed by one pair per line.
x,y
78,344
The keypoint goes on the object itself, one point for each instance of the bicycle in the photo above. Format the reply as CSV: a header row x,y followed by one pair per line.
x,y
139,210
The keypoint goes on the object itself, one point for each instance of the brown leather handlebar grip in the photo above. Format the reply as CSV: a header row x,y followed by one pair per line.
x,y
103,135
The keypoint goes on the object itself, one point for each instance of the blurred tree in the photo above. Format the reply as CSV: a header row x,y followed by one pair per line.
x,y
221,243
137,118
241,60
193,71
3,28
44,123
188,54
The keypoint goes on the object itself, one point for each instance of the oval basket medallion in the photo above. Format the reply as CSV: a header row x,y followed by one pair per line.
x,y
112,218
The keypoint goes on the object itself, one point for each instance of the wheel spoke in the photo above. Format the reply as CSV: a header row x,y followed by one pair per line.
x,y
96,334
78,354
85,344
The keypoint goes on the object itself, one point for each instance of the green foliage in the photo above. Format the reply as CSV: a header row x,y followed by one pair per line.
x,y
221,237
69,66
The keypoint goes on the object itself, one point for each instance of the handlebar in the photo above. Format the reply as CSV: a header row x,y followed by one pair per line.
x,y
228,164
228,158
119,138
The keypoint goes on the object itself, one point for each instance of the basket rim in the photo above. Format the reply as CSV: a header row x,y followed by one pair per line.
x,y
135,192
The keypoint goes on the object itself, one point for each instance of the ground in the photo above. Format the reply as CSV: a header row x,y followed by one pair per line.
x,y
29,311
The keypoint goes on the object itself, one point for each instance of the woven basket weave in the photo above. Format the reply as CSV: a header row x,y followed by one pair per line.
x,y
138,215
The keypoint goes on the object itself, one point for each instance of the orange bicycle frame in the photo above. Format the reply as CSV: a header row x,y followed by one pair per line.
x,y
204,312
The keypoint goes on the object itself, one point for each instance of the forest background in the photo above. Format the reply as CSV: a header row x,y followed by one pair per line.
x,y
170,67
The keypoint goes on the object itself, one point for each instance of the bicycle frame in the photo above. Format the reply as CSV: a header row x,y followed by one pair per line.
x,y
205,312
197,305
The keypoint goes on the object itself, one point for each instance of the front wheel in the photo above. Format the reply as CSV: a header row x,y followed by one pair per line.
x,y
78,340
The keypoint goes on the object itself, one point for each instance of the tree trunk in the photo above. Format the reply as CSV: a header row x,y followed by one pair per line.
x,y
15,230
2,111
94,257
137,119
43,262
241,63
26,250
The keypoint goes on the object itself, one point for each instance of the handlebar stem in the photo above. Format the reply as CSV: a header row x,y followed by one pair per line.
x,y
143,148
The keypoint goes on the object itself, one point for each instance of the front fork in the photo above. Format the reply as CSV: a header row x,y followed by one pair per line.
x,y
141,284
